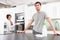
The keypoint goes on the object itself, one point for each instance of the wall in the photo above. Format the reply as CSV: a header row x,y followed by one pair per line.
x,y
29,11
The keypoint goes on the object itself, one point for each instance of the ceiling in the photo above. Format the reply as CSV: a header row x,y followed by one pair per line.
x,y
19,2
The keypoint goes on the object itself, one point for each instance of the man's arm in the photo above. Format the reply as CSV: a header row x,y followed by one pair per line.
x,y
51,24
29,24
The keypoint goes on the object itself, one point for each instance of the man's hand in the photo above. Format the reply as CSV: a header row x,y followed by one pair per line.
x,y
20,31
55,32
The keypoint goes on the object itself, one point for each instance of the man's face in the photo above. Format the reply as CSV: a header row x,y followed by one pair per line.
x,y
9,17
37,6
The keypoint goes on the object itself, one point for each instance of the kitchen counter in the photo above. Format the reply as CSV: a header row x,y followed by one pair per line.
x,y
27,36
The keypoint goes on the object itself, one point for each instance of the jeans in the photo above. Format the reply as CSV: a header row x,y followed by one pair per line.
x,y
34,32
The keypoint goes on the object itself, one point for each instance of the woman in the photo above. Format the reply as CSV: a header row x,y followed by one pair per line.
x,y
9,23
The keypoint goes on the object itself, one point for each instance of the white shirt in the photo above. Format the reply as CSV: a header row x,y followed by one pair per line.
x,y
9,26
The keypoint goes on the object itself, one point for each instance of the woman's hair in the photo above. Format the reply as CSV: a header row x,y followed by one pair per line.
x,y
7,15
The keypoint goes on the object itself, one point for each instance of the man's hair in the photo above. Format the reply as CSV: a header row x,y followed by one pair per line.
x,y
7,15
37,2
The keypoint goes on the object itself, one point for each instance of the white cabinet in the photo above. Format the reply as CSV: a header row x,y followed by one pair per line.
x,y
52,9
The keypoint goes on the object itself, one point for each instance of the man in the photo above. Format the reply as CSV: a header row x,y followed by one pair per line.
x,y
39,18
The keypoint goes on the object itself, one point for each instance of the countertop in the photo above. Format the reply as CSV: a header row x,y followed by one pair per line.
x,y
27,36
